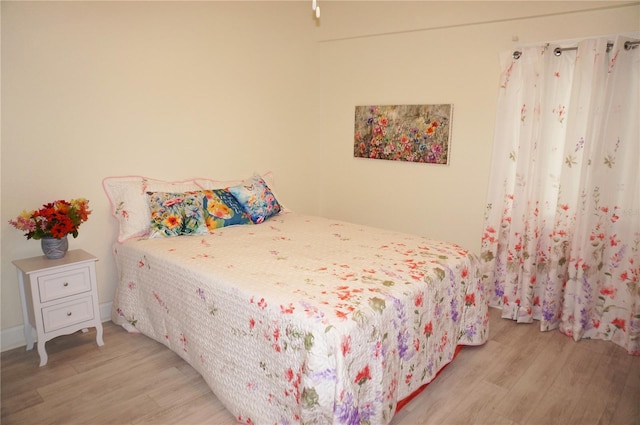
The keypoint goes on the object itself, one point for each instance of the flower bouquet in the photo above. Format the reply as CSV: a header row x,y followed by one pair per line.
x,y
55,220
52,223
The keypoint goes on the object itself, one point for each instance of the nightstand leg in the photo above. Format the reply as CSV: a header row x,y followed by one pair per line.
x,y
42,352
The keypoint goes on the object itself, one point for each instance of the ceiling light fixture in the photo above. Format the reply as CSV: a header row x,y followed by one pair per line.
x,y
315,6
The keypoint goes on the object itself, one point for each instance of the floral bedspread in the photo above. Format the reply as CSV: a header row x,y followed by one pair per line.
x,y
304,319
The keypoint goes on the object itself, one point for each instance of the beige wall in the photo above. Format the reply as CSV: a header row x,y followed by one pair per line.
x,y
169,90
421,53
221,89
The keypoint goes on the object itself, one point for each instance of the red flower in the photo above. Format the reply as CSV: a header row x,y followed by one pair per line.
x,y
346,345
287,310
341,315
608,291
470,299
613,240
289,374
465,272
428,329
619,323
363,376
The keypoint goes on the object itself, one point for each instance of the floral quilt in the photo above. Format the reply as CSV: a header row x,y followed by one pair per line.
x,y
303,319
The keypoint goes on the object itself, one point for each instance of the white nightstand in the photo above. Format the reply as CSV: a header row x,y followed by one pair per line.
x,y
59,297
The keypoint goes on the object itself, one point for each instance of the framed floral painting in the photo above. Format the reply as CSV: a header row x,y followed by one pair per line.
x,y
415,133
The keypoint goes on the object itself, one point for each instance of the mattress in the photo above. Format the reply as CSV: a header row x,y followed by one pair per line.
x,y
304,319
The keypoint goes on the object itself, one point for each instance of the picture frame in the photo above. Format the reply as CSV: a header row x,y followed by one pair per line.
x,y
413,133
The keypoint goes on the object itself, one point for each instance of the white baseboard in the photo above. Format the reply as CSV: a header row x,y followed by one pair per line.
x,y
14,337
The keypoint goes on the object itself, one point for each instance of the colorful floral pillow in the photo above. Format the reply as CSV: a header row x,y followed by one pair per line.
x,y
129,204
176,214
256,198
222,209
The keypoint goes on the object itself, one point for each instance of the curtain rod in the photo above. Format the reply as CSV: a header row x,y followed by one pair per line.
x,y
628,45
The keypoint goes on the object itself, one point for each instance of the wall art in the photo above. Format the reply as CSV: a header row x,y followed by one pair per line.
x,y
415,133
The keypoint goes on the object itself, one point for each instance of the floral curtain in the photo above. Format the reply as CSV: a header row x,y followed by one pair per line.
x,y
561,237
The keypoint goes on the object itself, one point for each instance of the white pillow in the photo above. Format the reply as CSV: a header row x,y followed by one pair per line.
x,y
209,184
129,205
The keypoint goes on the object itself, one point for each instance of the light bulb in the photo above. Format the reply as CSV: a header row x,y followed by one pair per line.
x,y
318,12
313,5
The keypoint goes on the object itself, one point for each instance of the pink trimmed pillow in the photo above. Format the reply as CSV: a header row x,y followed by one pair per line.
x,y
129,204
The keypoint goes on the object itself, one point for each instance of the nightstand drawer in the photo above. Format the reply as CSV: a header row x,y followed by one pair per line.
x,y
66,314
63,284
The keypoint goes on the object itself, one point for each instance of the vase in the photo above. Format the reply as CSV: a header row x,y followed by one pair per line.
x,y
54,248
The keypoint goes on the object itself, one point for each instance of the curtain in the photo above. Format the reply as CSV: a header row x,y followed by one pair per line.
x,y
561,236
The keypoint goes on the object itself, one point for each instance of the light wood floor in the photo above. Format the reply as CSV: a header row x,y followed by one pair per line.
x,y
521,376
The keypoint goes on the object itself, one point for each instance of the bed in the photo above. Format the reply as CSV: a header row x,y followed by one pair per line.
x,y
302,319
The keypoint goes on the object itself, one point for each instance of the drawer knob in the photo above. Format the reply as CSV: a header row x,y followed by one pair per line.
x,y
65,284
68,313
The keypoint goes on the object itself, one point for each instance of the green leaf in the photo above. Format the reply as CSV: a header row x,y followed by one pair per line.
x,y
359,317
487,256
377,304
308,341
309,397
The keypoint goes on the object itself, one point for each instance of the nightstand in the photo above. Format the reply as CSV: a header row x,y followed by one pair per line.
x,y
59,297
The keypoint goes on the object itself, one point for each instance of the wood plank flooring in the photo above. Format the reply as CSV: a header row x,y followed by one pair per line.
x,y
520,376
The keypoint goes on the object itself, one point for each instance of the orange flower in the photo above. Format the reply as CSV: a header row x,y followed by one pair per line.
x,y
172,221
